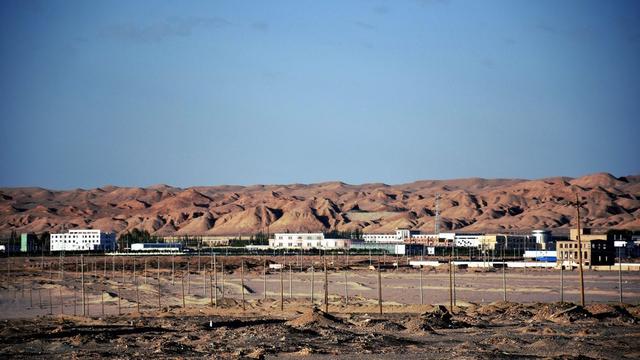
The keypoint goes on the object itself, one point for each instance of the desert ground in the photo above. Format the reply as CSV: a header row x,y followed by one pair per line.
x,y
126,314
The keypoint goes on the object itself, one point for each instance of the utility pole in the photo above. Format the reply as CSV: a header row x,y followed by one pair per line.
x,y
578,204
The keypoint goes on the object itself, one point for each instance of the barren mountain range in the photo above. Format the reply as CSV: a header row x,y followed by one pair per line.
x,y
466,205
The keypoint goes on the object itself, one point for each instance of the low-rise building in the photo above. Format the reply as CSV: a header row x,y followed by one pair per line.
x,y
597,249
83,240
468,240
497,242
307,241
406,236
393,248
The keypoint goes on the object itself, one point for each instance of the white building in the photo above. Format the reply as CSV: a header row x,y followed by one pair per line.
x,y
399,237
468,240
307,241
83,240
406,236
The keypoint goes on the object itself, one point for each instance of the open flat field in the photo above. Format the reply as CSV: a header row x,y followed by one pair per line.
x,y
129,314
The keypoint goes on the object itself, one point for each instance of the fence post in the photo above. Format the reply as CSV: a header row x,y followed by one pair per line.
x,y
504,279
421,291
326,287
312,282
210,286
137,296
82,281
242,283
61,301
620,276
290,282
102,300
159,292
183,302
346,291
264,278
450,285
222,286
75,300
281,291
562,283
119,297
204,281
215,278
379,290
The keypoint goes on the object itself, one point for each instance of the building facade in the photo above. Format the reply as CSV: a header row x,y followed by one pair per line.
x,y
83,240
597,249
307,241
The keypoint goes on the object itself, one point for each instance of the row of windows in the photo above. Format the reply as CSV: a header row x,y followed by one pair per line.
x,y
584,245
69,236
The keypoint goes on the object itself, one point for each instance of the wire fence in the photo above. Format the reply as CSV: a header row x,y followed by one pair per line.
x,y
109,285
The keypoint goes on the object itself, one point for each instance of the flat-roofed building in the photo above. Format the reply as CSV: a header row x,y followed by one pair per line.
x,y
506,242
307,241
597,249
83,240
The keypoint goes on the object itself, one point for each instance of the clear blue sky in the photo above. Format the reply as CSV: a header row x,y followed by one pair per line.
x,y
137,93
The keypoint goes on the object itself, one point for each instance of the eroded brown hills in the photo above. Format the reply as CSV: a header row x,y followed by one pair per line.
x,y
466,205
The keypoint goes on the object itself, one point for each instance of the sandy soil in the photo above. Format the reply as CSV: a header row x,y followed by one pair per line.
x,y
220,324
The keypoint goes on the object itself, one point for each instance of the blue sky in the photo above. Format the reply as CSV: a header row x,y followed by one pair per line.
x,y
135,93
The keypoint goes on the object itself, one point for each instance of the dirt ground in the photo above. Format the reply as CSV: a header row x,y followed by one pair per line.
x,y
127,314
